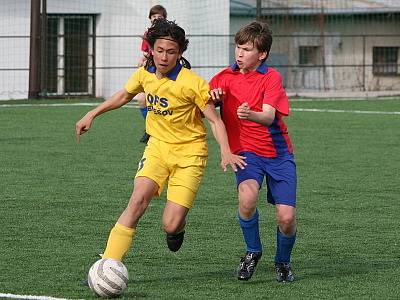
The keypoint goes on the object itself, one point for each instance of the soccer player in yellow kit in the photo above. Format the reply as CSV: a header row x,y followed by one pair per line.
x,y
177,152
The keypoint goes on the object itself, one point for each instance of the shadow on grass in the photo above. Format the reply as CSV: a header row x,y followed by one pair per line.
x,y
226,275
342,268
303,270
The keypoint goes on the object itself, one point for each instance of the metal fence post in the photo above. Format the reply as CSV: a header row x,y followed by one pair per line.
x,y
34,54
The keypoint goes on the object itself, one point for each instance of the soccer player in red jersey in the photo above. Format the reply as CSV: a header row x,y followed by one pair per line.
x,y
253,104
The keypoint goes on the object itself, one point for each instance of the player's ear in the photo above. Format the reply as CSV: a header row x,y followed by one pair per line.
x,y
263,56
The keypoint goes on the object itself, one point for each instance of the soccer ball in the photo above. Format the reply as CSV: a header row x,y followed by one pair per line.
x,y
108,278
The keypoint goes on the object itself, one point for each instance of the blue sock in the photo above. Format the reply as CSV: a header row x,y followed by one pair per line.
x,y
143,111
251,233
284,246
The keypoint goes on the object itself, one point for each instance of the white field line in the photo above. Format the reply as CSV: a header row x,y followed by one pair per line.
x,y
316,99
347,111
30,297
56,105
134,105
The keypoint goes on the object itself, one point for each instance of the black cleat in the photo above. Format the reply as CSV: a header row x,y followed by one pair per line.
x,y
174,241
145,138
283,272
248,265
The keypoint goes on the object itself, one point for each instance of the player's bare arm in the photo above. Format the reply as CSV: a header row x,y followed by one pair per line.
x,y
219,131
265,117
117,100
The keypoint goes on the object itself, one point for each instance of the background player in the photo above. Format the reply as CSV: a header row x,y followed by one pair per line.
x,y
156,12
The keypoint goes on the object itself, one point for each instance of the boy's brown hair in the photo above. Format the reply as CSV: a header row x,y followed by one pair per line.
x,y
257,33
165,29
158,9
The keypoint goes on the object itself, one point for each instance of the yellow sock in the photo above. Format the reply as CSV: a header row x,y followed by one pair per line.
x,y
119,242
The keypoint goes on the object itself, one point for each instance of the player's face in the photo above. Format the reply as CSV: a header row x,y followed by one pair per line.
x,y
155,17
166,54
248,57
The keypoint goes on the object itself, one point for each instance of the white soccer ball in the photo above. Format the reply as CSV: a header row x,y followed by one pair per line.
x,y
108,278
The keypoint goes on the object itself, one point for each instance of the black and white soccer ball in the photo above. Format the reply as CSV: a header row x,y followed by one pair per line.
x,y
108,278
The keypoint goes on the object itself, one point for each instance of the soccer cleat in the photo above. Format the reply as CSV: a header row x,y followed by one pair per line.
x,y
283,272
174,241
247,265
145,138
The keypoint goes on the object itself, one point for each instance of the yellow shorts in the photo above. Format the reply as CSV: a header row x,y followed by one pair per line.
x,y
181,165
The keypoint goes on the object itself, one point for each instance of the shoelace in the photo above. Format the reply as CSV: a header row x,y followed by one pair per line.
x,y
249,262
284,269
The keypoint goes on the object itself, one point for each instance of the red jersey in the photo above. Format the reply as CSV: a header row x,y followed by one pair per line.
x,y
262,86
145,47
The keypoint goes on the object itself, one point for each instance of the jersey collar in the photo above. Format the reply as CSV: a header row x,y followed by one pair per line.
x,y
262,68
173,74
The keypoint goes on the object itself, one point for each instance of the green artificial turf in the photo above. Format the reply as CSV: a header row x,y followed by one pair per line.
x,y
59,199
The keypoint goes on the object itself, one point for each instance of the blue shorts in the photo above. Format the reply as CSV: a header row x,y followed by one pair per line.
x,y
280,176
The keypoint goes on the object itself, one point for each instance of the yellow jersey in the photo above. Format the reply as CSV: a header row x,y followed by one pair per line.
x,y
174,103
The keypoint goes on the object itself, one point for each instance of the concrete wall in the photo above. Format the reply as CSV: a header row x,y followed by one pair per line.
x,y
351,53
116,57
14,52
122,17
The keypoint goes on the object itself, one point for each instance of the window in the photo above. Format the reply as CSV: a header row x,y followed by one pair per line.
x,y
69,55
385,60
76,54
309,55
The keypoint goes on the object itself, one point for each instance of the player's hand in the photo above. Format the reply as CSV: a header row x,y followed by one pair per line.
x,y
233,160
217,95
82,126
244,111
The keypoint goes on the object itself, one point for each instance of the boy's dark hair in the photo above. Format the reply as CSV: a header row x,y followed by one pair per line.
x,y
257,33
163,28
158,9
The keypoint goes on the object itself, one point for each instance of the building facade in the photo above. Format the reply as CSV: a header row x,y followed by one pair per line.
x,y
346,46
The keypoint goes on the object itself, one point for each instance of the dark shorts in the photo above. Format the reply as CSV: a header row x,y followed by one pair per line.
x,y
280,176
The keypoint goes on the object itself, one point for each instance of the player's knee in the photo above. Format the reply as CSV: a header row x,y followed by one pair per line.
x,y
247,199
247,209
286,220
287,224
247,204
